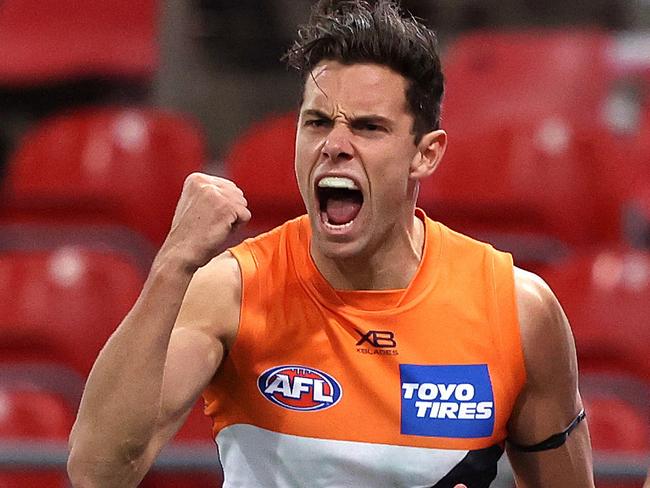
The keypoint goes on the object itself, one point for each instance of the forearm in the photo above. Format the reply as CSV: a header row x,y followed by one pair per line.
x,y
122,398
127,412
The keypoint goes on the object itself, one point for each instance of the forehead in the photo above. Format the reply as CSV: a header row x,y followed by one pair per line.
x,y
356,87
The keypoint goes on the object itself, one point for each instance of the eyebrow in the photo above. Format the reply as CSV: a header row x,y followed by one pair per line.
x,y
315,113
367,119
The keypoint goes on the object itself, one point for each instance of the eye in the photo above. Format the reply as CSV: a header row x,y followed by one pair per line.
x,y
316,123
367,126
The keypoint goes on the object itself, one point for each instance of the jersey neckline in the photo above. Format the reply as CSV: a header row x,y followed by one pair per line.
x,y
424,280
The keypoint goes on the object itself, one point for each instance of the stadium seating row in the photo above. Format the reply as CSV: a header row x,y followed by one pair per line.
x,y
61,302
119,40
88,198
109,166
533,152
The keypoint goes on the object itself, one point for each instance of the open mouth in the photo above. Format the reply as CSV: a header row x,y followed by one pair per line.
x,y
340,201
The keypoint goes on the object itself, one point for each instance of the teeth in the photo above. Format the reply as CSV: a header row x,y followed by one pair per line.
x,y
337,182
338,227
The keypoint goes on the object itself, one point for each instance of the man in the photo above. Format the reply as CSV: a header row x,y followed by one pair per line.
x,y
361,345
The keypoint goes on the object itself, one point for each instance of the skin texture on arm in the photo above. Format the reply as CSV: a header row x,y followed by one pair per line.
x,y
116,442
206,327
166,350
550,400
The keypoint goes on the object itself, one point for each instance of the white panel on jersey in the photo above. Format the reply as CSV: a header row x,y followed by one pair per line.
x,y
254,457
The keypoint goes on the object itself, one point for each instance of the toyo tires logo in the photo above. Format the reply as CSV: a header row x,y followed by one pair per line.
x,y
299,388
447,400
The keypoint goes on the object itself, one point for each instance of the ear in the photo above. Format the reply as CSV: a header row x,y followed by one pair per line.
x,y
431,149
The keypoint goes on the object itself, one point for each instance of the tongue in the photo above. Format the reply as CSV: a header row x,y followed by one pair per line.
x,y
342,210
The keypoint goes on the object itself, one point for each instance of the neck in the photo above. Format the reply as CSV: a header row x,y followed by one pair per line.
x,y
391,265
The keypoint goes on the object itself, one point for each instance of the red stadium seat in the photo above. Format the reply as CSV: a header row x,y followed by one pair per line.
x,y
21,415
121,166
21,418
618,409
61,305
45,40
626,431
520,110
261,162
627,153
606,296
34,414
499,77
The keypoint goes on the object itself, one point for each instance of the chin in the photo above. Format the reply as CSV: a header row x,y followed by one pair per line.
x,y
338,249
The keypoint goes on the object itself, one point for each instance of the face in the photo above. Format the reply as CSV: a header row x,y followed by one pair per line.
x,y
357,162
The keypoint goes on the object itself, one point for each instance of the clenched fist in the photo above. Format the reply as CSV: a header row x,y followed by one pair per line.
x,y
208,211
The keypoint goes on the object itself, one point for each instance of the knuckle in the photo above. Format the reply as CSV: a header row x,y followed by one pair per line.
x,y
229,184
218,180
194,178
210,192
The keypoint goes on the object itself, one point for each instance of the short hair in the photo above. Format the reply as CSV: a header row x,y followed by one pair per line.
x,y
361,31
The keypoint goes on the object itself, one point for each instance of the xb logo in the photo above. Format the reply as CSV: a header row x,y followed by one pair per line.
x,y
377,338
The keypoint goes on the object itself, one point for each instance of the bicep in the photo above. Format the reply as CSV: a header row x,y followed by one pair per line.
x,y
207,323
192,360
550,400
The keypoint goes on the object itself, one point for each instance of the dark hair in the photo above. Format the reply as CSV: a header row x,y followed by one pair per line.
x,y
360,31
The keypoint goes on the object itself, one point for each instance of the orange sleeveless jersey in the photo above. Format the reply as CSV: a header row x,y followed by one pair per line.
x,y
368,388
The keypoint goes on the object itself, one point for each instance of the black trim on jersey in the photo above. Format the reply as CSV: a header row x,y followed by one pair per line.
x,y
476,470
553,442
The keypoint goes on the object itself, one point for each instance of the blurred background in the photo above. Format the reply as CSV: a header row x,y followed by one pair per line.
x,y
105,107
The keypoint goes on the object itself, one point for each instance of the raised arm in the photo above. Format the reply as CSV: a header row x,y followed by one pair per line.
x,y
166,350
550,402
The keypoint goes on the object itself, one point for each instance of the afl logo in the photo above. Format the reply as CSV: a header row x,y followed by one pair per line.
x,y
299,388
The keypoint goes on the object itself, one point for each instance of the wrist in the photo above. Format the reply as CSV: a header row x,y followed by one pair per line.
x,y
171,261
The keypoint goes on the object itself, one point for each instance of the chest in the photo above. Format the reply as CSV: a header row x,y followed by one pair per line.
x,y
430,376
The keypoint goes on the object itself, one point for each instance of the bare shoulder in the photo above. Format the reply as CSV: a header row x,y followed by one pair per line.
x,y
212,302
535,299
550,398
545,332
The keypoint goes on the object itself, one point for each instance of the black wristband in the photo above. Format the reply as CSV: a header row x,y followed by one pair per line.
x,y
553,442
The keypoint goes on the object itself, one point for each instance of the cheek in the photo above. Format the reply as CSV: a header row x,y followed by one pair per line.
x,y
301,175
302,165
391,184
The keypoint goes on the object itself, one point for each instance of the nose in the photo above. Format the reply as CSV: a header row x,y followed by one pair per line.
x,y
337,146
